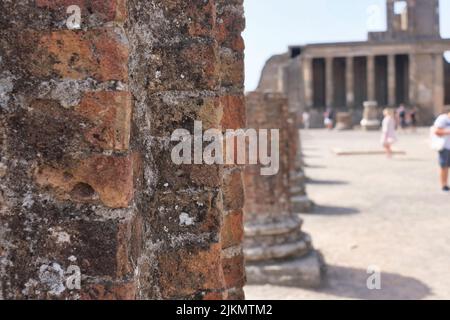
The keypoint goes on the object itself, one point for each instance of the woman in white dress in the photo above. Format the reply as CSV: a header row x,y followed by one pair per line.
x,y
389,135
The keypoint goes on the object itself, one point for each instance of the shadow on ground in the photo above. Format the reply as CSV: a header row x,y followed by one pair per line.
x,y
332,210
352,283
326,182
312,166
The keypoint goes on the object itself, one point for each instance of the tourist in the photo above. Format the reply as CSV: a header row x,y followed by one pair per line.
x,y
306,119
413,119
442,130
389,136
329,119
401,113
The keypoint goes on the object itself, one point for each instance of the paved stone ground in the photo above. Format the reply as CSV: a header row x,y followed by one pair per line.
x,y
374,211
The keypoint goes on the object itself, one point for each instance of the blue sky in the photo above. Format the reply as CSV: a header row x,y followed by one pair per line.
x,y
273,25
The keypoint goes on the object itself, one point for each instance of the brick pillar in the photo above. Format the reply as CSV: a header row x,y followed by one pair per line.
x,y
86,177
300,201
293,83
69,168
276,249
230,23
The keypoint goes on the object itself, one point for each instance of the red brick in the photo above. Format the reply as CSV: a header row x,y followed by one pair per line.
x,y
110,291
230,24
215,296
231,69
232,229
188,270
191,65
233,112
233,191
234,271
110,112
77,55
110,177
202,17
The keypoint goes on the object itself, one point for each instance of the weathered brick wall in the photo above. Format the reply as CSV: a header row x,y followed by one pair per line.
x,y
86,175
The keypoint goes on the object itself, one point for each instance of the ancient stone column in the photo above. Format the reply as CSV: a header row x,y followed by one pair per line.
x,y
371,78
293,83
329,81
88,187
308,81
349,79
297,179
276,249
344,121
391,80
413,79
439,91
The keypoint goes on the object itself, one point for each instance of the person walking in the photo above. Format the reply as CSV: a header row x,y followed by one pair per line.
x,y
401,112
413,119
388,135
441,129
329,118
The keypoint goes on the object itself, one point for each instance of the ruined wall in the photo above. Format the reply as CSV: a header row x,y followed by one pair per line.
x,y
86,175
272,75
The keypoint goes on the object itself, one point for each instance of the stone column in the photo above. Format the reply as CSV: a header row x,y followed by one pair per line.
x,y
232,102
349,79
371,78
308,81
329,81
276,249
412,79
439,92
370,118
294,82
391,80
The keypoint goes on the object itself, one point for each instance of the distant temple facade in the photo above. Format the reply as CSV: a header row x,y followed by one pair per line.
x,y
404,64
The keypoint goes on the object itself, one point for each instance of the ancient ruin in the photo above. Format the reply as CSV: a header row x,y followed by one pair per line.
x,y
87,185
405,65
276,249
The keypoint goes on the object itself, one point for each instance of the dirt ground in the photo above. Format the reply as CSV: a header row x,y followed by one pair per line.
x,y
374,211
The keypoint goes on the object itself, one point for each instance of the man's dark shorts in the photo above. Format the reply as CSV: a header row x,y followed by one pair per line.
x,y
444,158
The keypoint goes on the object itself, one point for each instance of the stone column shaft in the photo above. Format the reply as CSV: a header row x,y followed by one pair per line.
x,y
308,81
439,84
329,81
412,79
391,80
371,78
349,78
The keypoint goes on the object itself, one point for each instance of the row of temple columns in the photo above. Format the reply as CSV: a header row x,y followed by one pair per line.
x,y
308,75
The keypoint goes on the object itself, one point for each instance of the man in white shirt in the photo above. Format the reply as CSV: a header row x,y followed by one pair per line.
x,y
442,129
